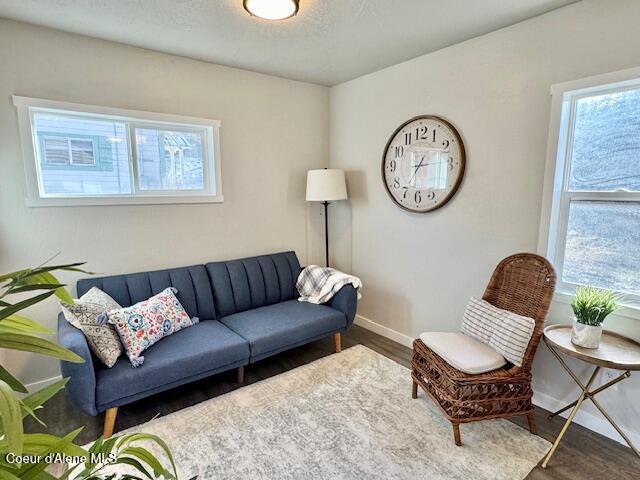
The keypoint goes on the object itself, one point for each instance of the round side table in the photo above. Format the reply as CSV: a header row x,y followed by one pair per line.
x,y
615,351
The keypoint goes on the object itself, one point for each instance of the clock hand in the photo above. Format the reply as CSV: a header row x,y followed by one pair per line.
x,y
421,164
413,175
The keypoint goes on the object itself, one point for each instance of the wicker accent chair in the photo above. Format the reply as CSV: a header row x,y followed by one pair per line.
x,y
524,284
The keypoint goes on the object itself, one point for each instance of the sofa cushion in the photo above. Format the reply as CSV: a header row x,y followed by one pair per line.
x,y
463,352
240,285
275,328
195,352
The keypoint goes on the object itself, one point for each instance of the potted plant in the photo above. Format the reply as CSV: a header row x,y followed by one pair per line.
x,y
16,403
590,307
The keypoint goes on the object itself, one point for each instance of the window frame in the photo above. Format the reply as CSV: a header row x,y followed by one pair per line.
x,y
93,151
69,150
556,194
27,107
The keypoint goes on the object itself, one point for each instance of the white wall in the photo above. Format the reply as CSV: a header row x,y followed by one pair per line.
x,y
273,131
419,270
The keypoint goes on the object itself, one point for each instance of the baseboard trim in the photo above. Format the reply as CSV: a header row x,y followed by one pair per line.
x,y
542,400
35,386
387,332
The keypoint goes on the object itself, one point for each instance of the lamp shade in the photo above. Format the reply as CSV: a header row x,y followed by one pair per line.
x,y
326,185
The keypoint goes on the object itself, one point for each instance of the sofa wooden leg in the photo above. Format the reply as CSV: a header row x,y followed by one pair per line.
x,y
532,423
240,373
414,389
456,434
109,421
337,342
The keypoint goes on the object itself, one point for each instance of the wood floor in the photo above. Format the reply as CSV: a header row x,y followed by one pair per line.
x,y
582,454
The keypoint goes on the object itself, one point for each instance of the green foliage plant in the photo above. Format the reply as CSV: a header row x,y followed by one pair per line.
x,y
592,305
17,332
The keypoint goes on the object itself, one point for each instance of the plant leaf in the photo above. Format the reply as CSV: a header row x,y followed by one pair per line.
x,y
39,443
20,275
4,475
23,274
135,464
7,311
37,399
148,458
26,411
12,275
18,322
29,343
12,381
127,439
41,278
11,418
44,476
37,286
50,444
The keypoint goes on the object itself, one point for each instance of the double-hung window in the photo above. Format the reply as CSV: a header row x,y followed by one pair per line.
x,y
594,234
88,155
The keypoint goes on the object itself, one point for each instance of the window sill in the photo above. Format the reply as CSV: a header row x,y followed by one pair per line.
x,y
628,310
121,200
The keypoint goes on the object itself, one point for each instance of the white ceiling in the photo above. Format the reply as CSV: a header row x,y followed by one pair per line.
x,y
328,42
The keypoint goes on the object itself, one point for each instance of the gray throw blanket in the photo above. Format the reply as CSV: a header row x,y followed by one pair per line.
x,y
319,284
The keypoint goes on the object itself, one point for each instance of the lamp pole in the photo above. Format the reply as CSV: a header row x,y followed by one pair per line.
x,y
326,233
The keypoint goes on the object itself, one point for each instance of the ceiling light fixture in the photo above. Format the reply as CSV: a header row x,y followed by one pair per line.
x,y
272,9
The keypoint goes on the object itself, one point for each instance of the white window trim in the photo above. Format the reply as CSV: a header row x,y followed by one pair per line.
x,y
211,147
554,212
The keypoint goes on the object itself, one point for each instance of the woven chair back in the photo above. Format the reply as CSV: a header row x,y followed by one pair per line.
x,y
524,284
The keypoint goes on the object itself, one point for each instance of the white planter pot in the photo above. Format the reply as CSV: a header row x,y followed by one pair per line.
x,y
586,336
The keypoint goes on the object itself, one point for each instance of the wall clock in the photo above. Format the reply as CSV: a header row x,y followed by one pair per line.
x,y
423,163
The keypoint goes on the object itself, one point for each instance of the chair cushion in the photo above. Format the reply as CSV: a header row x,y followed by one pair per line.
x,y
284,325
463,352
203,349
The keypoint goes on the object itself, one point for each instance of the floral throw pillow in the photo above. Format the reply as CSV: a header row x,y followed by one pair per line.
x,y
143,324
83,314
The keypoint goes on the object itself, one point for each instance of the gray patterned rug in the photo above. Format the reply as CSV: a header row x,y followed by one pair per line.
x,y
345,416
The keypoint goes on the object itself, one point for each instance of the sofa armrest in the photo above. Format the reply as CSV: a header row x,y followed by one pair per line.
x,y
81,387
346,300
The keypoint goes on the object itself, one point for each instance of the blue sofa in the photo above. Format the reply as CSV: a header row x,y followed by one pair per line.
x,y
248,311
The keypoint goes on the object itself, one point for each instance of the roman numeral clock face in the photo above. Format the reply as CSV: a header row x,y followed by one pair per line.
x,y
423,163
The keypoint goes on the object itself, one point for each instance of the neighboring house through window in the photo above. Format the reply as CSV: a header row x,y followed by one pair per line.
x,y
68,151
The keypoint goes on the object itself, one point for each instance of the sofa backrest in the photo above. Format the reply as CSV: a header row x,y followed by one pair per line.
x,y
212,291
240,285
194,288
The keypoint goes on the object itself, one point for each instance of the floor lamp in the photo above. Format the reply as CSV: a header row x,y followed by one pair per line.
x,y
326,186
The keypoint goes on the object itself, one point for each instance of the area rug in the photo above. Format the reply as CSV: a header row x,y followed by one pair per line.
x,y
345,416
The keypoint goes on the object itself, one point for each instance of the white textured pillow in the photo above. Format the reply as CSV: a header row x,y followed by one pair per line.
x,y
83,314
506,332
479,319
